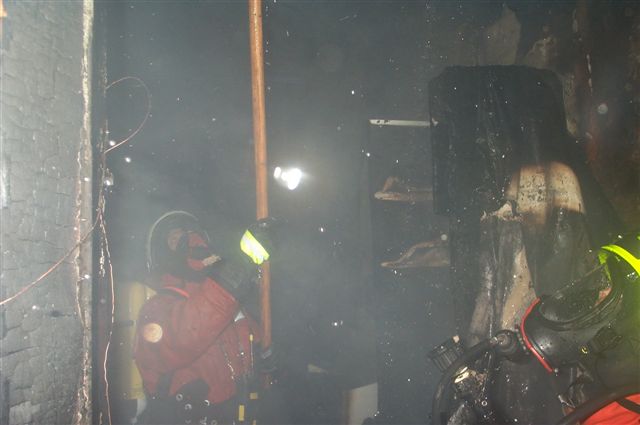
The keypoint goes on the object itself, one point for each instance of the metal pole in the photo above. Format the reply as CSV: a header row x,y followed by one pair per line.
x,y
260,152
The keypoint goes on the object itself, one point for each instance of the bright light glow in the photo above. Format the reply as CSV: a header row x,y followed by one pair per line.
x,y
290,178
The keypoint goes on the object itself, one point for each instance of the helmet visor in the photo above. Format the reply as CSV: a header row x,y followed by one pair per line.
x,y
158,249
580,302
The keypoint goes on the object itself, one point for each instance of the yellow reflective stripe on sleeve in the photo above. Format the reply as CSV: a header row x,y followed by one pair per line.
x,y
621,252
241,412
250,246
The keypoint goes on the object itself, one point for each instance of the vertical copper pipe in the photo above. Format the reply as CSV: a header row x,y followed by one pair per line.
x,y
260,151
3,14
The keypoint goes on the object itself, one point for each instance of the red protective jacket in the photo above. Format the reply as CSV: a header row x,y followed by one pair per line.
x,y
615,414
192,331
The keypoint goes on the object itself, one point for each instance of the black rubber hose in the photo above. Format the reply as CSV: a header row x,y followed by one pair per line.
x,y
471,354
592,406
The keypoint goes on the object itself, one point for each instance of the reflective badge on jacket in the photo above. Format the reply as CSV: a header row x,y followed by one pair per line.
x,y
152,332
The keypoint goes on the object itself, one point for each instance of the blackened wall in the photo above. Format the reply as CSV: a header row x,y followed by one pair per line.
x,y
45,211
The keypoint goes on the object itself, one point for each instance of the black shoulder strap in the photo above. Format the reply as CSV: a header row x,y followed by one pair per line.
x,y
630,405
164,385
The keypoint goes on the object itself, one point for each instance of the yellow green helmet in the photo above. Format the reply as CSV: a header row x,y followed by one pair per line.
x,y
622,257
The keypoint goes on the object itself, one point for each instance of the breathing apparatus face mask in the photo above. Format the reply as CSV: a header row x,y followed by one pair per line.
x,y
586,318
558,328
163,258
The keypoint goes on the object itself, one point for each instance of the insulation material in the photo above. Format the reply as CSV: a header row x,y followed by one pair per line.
x,y
506,173
549,204
505,281
487,122
517,390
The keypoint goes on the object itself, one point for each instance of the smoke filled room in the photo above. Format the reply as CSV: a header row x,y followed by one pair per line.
x,y
319,212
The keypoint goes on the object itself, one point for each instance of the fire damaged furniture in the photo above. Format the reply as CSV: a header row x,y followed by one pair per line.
x,y
523,210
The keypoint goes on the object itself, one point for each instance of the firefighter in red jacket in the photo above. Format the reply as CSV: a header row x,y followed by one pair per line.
x,y
196,348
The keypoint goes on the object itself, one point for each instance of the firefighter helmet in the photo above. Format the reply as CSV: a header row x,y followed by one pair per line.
x,y
591,316
622,258
158,251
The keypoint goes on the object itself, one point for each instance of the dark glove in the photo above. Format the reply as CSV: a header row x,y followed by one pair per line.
x,y
236,277
268,361
258,240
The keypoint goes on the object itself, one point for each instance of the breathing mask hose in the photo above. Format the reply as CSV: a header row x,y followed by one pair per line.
x,y
470,355
592,406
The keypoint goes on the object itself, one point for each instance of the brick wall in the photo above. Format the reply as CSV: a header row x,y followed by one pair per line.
x,y
45,209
